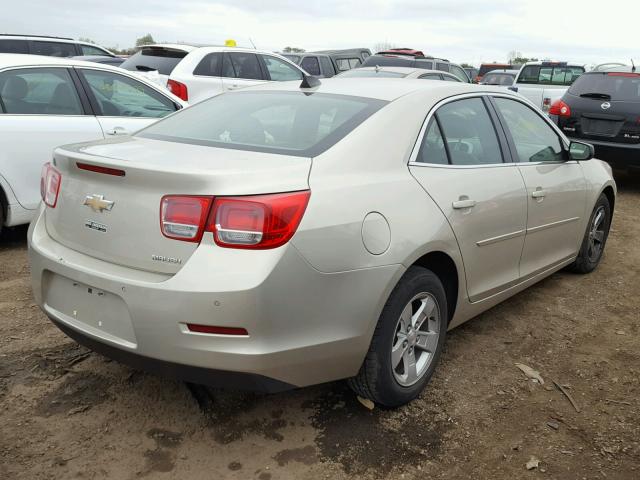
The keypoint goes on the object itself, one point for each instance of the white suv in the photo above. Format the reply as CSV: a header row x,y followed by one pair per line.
x,y
207,71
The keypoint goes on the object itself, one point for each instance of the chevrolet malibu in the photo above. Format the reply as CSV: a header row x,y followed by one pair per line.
x,y
287,235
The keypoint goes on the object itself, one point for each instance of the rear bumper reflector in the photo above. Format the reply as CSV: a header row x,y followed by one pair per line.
x,y
213,330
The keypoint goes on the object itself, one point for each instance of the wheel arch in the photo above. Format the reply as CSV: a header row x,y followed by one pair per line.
x,y
611,196
4,206
446,270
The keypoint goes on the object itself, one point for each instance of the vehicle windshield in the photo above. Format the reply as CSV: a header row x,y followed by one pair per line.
x,y
164,60
358,72
617,86
504,79
287,123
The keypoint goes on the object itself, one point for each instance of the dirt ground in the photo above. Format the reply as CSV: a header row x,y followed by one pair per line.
x,y
68,413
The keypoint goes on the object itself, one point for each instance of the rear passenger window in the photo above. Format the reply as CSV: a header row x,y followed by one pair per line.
x,y
431,76
327,67
311,65
89,50
14,46
534,139
244,65
432,149
442,66
469,133
210,65
53,49
39,91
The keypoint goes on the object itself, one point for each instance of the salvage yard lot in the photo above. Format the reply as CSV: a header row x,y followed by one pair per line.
x,y
68,413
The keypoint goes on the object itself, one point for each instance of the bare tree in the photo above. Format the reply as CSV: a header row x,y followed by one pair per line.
x,y
382,46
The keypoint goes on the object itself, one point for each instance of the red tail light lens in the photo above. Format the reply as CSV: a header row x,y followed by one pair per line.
x,y
50,180
213,330
257,222
183,217
178,89
98,169
560,108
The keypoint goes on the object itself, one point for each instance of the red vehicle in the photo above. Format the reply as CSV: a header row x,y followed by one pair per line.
x,y
409,52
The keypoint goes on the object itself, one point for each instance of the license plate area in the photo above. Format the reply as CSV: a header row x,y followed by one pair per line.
x,y
605,128
89,309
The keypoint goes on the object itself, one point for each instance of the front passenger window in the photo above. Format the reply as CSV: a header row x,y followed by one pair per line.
x,y
534,139
121,96
469,132
281,71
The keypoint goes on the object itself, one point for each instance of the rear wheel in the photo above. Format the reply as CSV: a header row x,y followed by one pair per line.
x,y
595,238
407,342
3,208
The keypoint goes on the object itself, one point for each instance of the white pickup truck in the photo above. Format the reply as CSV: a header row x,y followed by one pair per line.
x,y
545,82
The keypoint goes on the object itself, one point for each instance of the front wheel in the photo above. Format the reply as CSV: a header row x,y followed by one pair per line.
x,y
407,342
595,238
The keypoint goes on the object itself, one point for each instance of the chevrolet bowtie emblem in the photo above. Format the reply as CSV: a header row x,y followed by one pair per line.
x,y
98,203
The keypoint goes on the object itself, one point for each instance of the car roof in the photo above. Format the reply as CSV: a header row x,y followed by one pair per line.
x,y
387,89
405,70
619,69
553,63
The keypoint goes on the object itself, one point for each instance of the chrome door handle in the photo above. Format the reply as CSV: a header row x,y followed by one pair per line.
x,y
464,203
117,131
538,193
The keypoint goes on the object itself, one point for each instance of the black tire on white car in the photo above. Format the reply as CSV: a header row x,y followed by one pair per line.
x,y
595,238
407,342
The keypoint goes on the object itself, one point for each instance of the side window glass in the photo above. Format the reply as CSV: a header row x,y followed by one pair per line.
x,y
431,76
442,66
450,78
529,74
327,67
458,72
210,65
39,91
14,46
227,67
342,64
245,65
354,62
311,65
281,71
469,133
89,50
53,49
432,149
120,96
534,139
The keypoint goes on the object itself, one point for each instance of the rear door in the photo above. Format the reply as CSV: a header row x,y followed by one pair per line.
x,y
41,109
461,165
123,105
240,70
556,192
206,80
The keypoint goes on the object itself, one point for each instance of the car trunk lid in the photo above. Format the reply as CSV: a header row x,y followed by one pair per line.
x,y
116,217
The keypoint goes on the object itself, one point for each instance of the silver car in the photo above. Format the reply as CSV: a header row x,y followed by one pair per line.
x,y
287,235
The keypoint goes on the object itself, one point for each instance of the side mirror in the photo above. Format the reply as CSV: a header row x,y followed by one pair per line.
x,y
581,151
513,89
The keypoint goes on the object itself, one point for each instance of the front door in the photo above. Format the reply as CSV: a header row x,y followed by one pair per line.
x,y
460,165
124,105
555,188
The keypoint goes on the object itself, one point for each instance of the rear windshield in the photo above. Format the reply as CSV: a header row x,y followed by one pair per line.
x,y
163,60
288,123
358,72
484,68
618,86
498,79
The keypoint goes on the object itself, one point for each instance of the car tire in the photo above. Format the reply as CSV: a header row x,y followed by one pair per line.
x,y
396,370
3,208
595,238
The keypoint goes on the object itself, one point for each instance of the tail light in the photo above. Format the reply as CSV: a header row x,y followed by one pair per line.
x,y
179,89
183,217
560,108
248,222
50,180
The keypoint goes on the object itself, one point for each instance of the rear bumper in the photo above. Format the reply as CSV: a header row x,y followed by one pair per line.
x,y
305,327
619,155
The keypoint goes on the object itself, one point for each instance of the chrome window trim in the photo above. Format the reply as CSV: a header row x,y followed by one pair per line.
x,y
416,147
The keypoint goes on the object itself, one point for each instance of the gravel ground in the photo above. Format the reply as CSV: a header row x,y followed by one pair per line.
x,y
68,413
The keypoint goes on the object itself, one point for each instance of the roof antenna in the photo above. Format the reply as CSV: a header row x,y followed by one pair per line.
x,y
254,45
309,81
633,66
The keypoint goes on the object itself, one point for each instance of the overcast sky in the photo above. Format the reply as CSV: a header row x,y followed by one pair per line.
x,y
461,30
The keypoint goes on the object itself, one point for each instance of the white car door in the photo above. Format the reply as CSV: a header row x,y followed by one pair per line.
x,y
206,79
556,192
462,167
41,110
122,104
241,69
